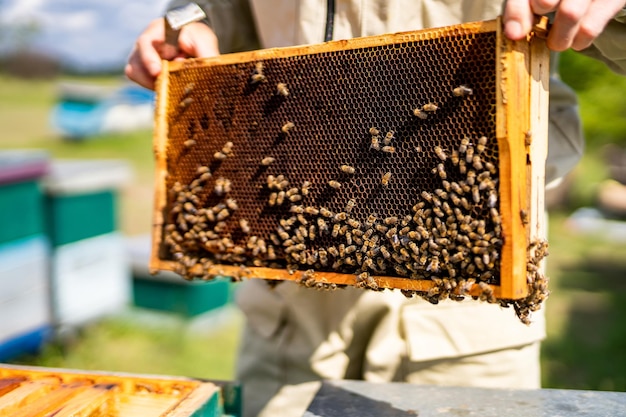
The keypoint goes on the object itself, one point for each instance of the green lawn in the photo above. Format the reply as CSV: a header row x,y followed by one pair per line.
x,y
586,344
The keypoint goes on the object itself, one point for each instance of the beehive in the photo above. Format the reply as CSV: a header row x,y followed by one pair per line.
x,y
411,161
33,392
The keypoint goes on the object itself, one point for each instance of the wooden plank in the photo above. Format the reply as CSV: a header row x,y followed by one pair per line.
x,y
145,404
93,401
9,384
512,121
537,137
205,397
160,170
45,405
319,276
27,392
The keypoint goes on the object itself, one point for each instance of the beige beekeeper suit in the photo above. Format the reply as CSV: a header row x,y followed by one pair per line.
x,y
295,336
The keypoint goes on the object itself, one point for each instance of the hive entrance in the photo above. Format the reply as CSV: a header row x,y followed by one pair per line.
x,y
376,158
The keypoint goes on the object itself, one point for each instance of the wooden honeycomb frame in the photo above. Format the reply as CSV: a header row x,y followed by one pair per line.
x,y
521,130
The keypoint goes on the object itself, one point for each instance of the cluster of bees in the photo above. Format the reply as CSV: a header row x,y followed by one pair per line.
x,y
452,235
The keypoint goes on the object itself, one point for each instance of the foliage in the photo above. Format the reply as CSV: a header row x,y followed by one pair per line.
x,y
602,98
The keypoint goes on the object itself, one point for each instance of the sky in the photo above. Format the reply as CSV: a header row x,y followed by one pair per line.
x,y
86,34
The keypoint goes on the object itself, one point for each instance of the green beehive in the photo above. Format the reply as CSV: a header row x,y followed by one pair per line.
x,y
21,198
82,198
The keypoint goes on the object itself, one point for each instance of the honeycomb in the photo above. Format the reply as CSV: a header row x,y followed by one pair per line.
x,y
381,159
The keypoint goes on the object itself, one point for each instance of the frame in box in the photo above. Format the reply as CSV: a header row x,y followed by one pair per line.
x,y
356,137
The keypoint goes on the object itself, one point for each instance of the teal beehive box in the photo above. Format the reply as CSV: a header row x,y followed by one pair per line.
x,y
21,197
169,292
82,198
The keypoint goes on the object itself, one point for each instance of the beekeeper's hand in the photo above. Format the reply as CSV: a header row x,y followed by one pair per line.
x,y
576,22
144,63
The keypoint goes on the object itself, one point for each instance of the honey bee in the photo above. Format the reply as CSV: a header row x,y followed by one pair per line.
x,y
353,223
188,89
475,194
311,210
385,179
427,196
339,217
420,114
189,143
227,148
440,153
481,145
258,76
441,171
219,156
295,198
281,88
323,256
486,292
305,188
335,231
287,127
477,163
528,138
375,143
374,132
333,251
350,205
462,91
438,212
312,232
441,194
388,137
272,199
322,225
302,220
184,103
231,203
347,169
492,199
457,257
469,154
268,160
490,167
433,266
430,107
462,166
334,184
325,212
222,214
454,157
244,225
280,198
388,149
222,186
524,216
463,146
296,209
381,228
391,220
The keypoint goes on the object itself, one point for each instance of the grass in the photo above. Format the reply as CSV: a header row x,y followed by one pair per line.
x,y
150,343
586,343
586,313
